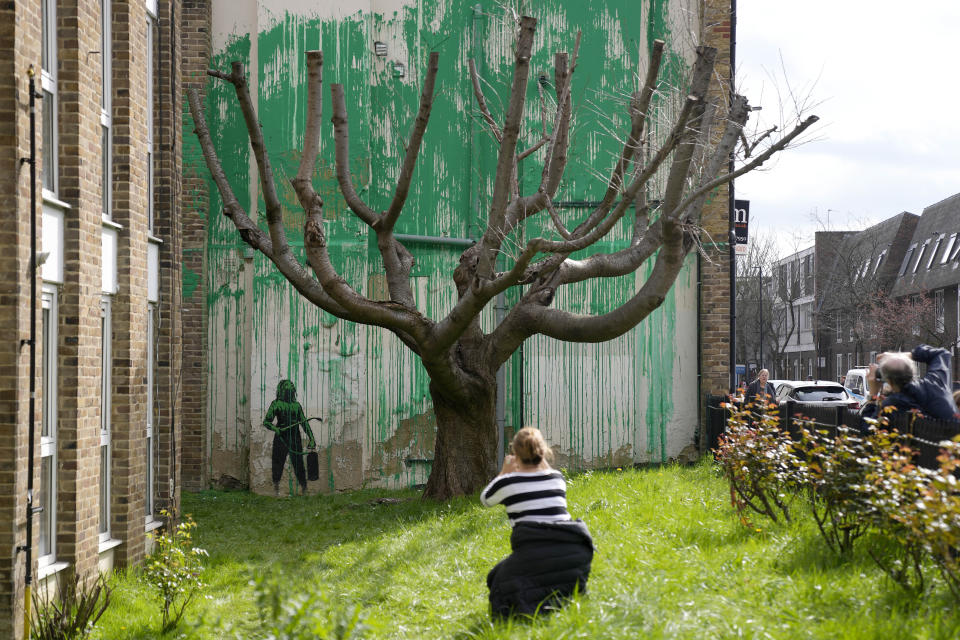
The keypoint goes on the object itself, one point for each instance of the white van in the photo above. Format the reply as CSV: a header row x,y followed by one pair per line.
x,y
856,383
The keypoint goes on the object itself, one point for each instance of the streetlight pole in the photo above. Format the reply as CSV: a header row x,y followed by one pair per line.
x,y
760,307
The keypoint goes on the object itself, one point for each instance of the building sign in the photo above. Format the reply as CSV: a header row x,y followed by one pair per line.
x,y
741,218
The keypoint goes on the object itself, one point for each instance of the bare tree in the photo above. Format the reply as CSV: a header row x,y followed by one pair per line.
x,y
901,323
756,338
460,358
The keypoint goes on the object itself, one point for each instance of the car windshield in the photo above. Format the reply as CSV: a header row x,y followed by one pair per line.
x,y
818,394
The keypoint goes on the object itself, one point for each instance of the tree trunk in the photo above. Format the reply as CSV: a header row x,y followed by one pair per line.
x,y
465,454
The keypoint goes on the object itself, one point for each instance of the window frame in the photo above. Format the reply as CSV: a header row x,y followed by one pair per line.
x,y
106,106
151,111
939,311
150,472
49,430
106,406
48,86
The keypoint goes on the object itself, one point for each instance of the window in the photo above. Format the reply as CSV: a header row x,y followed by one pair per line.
x,y
933,254
914,301
956,251
151,108
106,332
873,357
938,310
839,328
839,365
48,84
946,249
47,496
879,260
810,367
150,480
106,105
916,265
906,260
796,369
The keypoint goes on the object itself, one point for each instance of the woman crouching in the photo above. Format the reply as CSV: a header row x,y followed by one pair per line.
x,y
551,553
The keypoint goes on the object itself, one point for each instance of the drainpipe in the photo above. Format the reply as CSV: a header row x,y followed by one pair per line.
x,y
732,235
442,240
32,342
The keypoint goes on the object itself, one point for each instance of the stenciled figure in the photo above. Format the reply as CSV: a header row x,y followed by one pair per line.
x,y
285,418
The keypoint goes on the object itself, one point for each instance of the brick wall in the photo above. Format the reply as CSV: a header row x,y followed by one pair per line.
x,y
167,138
78,67
79,84
130,307
19,46
196,56
715,294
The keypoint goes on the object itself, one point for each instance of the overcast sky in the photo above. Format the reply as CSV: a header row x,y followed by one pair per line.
x,y
881,76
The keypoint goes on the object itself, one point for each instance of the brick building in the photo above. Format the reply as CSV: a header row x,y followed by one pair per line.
x,y
107,335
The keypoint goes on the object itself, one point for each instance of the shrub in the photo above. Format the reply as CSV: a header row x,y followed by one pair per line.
x,y
73,612
833,463
173,569
935,520
755,457
304,616
892,489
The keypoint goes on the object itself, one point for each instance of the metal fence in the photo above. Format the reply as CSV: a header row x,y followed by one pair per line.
x,y
926,433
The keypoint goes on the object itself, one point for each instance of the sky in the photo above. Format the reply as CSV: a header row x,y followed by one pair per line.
x,y
881,76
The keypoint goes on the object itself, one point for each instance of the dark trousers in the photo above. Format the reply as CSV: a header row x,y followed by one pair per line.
x,y
282,446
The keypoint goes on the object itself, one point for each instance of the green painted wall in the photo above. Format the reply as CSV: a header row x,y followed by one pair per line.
x,y
630,400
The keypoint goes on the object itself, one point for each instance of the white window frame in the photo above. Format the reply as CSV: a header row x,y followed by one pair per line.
x,y
48,85
936,247
48,434
840,371
106,106
839,328
923,248
946,250
150,473
938,310
879,260
151,24
906,259
106,406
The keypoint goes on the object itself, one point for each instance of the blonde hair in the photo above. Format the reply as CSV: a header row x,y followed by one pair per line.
x,y
530,447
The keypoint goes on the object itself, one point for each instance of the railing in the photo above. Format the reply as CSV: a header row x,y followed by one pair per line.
x,y
926,433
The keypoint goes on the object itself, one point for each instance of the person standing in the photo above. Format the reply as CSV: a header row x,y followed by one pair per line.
x,y
285,418
760,387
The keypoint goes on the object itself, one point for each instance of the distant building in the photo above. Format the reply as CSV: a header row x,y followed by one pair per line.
x,y
864,266
931,267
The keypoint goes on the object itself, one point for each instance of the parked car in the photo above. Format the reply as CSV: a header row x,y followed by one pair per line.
x,y
856,383
817,392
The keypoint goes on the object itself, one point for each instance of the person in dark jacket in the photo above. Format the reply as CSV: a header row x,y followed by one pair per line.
x,y
551,553
930,395
760,387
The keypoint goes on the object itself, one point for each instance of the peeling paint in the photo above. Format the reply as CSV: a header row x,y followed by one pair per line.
x,y
629,400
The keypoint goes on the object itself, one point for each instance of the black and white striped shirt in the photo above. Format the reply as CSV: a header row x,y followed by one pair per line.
x,y
539,496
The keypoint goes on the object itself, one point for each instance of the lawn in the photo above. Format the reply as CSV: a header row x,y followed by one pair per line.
x,y
672,561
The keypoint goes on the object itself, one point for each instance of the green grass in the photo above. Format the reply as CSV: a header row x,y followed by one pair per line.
x,y
672,561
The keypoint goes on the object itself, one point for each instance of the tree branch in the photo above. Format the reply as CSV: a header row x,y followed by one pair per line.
x,y
506,159
482,102
389,219
274,210
249,231
341,141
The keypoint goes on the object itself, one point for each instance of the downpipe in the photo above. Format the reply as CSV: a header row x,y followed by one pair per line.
x,y
27,548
